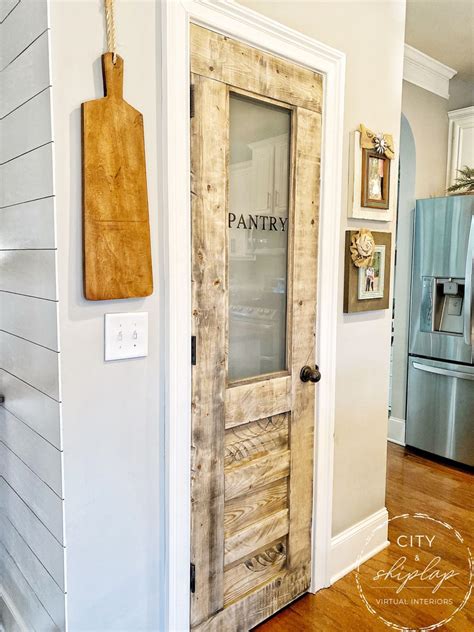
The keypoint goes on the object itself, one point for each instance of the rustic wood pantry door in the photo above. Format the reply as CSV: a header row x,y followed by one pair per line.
x,y
255,162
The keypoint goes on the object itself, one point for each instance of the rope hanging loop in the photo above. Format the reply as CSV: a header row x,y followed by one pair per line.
x,y
110,28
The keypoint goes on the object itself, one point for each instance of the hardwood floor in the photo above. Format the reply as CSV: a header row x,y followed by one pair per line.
x,y
414,484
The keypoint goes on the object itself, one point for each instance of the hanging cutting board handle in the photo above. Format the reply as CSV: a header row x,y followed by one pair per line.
x,y
116,227
113,75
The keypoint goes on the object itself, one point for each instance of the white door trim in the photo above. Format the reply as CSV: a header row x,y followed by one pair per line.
x,y
459,120
236,21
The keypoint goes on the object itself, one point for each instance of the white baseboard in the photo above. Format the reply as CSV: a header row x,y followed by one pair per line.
x,y
347,546
396,430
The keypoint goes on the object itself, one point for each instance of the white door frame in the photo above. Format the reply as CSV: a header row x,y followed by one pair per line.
x,y
234,20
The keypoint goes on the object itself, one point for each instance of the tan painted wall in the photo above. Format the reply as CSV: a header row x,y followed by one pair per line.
x,y
427,114
373,97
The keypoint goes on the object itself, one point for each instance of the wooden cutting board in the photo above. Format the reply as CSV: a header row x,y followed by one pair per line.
x,y
117,253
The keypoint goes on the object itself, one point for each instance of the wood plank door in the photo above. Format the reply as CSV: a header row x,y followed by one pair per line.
x,y
255,161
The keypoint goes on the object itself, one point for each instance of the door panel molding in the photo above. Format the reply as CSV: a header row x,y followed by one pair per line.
x,y
237,617
249,402
175,381
282,80
209,134
304,296
253,538
241,479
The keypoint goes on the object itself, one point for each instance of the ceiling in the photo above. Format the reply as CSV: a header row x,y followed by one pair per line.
x,y
444,30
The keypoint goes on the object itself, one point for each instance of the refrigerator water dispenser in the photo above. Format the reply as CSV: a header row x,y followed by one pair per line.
x,y
442,306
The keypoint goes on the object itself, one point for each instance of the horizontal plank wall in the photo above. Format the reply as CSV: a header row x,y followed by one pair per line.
x,y
32,546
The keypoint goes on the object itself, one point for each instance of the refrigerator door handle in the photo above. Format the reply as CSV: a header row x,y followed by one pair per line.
x,y
445,372
468,293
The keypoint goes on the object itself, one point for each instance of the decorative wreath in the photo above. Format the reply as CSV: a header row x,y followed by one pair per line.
x,y
362,248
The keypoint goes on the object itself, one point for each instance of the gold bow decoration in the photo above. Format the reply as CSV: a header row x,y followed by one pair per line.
x,y
382,143
362,248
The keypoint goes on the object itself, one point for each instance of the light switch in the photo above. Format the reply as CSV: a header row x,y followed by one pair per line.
x,y
126,336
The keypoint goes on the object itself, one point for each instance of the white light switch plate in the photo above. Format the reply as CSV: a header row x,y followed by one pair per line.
x,y
126,336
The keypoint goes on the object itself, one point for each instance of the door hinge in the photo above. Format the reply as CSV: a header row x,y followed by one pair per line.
x,y
191,100
193,350
193,578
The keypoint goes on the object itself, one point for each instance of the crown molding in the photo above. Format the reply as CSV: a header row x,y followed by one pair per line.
x,y
464,114
426,72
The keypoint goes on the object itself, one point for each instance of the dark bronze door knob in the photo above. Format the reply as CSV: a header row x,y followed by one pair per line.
x,y
307,374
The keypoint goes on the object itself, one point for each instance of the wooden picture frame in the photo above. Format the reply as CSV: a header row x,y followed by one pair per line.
x,y
375,184
355,208
352,277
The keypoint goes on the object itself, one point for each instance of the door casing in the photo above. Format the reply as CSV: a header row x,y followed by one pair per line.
x,y
175,380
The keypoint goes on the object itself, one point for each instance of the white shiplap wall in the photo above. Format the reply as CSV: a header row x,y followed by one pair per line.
x,y
32,547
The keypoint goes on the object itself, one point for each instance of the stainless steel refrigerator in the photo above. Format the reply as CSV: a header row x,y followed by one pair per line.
x,y
440,397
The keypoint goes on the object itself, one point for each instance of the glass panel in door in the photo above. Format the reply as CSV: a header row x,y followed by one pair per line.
x,y
258,236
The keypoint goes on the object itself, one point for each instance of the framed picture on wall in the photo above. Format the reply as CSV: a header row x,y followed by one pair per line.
x,y
371,279
368,288
375,180
369,183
